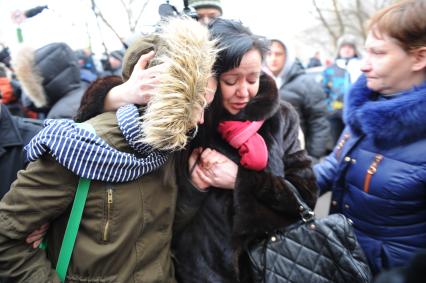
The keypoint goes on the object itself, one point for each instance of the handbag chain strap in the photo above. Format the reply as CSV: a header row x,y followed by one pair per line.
x,y
306,213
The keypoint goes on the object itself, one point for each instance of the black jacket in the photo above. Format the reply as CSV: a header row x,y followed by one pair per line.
x,y
307,96
50,79
213,227
15,133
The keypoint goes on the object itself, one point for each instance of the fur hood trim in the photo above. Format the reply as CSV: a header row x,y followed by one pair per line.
x,y
184,45
48,73
30,78
394,121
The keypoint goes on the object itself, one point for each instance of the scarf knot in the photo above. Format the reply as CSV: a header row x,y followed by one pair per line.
x,y
251,146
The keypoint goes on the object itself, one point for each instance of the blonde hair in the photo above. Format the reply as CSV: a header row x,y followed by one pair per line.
x,y
189,54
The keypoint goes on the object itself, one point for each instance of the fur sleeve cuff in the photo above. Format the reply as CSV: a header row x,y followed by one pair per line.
x,y
262,203
92,102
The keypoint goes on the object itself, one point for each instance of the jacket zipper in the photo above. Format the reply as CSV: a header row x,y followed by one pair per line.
x,y
109,208
371,171
341,144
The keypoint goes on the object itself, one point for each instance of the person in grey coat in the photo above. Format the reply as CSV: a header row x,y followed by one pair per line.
x,y
304,93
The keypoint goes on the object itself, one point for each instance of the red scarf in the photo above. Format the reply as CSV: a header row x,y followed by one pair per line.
x,y
244,137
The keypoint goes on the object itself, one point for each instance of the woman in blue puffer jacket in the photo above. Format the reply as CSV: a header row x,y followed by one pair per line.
x,y
377,171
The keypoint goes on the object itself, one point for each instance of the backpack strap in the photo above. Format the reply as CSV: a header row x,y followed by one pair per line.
x,y
74,220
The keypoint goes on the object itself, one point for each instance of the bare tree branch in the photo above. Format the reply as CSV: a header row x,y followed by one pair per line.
x,y
324,21
129,12
338,17
131,20
139,16
361,20
99,14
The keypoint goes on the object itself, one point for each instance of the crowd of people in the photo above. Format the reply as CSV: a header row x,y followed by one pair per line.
x,y
198,128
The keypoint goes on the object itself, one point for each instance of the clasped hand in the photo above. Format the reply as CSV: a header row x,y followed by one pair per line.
x,y
210,168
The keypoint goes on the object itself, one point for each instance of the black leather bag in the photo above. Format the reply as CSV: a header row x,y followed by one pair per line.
x,y
310,251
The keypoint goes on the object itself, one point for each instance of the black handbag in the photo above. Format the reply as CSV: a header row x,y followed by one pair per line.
x,y
310,251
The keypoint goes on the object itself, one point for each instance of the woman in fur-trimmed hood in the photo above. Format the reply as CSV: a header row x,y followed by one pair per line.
x,y
377,172
50,79
233,190
126,228
173,110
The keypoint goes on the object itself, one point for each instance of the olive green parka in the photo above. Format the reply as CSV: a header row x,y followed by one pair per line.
x,y
125,231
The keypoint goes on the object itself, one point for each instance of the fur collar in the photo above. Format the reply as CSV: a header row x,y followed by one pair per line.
x,y
394,121
264,105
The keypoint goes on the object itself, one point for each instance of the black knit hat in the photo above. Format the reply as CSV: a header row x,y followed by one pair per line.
x,y
117,54
197,4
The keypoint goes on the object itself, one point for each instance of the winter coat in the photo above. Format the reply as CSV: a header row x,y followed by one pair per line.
x,y
125,231
214,227
307,97
314,62
15,133
377,173
337,80
50,78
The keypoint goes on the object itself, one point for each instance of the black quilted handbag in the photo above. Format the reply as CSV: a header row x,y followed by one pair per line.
x,y
310,251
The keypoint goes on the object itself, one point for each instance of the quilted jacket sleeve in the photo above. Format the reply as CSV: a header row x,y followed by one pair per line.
x,y
325,172
41,193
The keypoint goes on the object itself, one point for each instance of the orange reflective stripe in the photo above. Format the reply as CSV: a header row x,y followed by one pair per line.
x,y
367,182
371,171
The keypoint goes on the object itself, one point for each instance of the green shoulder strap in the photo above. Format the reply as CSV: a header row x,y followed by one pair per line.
x,y
74,220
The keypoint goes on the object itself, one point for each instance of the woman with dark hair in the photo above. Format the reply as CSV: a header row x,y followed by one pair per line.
x,y
377,172
233,189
